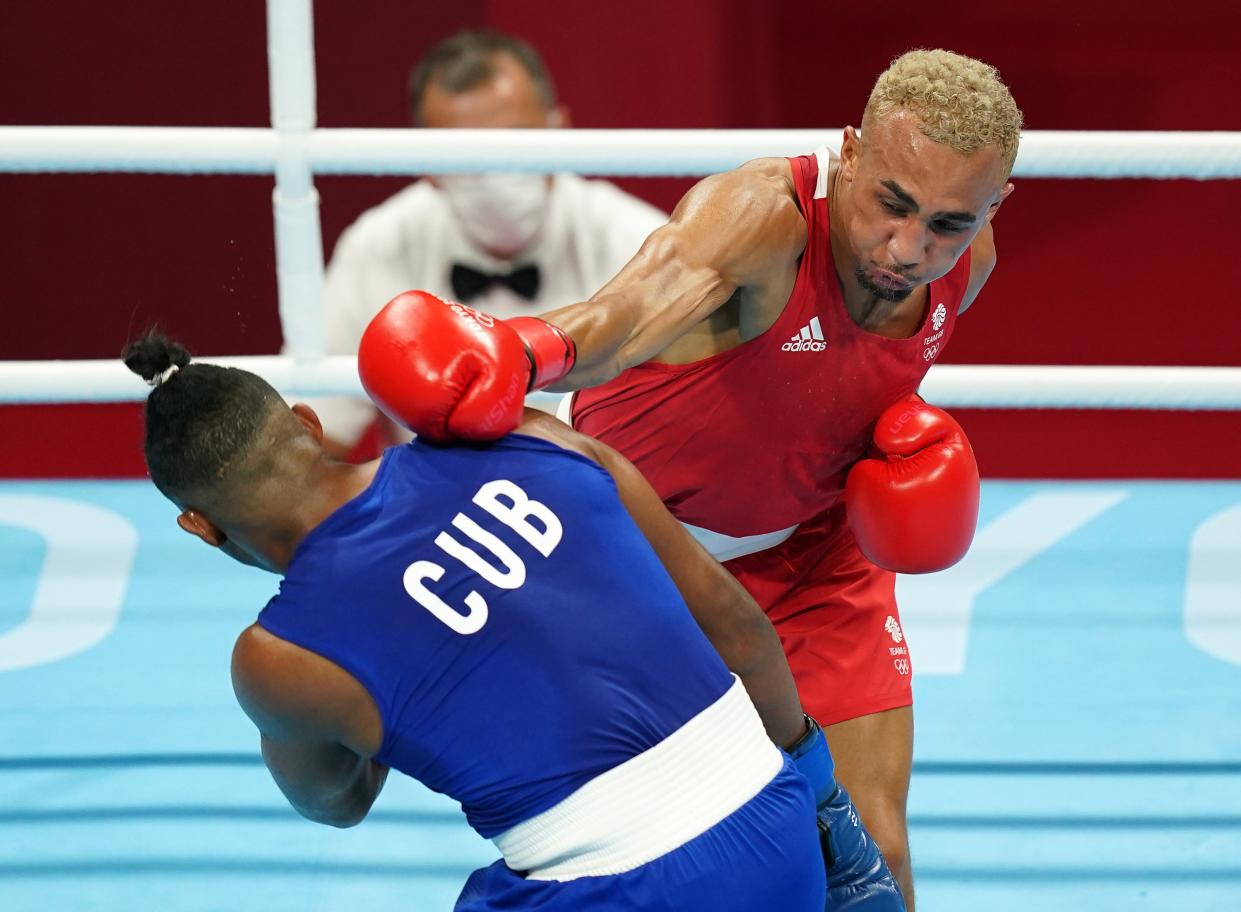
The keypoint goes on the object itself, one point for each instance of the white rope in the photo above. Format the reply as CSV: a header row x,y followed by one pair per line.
x,y
950,385
294,150
110,381
1041,386
196,150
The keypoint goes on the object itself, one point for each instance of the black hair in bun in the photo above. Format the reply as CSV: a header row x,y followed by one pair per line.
x,y
152,355
201,418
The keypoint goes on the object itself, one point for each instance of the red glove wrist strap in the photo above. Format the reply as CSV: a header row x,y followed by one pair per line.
x,y
551,352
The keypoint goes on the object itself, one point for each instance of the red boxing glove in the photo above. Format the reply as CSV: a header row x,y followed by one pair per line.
x,y
915,510
447,371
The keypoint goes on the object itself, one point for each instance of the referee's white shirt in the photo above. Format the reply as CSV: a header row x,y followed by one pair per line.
x,y
412,240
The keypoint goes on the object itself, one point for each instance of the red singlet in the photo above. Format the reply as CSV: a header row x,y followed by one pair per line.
x,y
750,449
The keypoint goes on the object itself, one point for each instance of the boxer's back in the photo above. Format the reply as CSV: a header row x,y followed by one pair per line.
x,y
517,633
758,439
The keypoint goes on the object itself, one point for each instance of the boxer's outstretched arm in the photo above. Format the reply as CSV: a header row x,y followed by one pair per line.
x,y
731,230
731,619
318,727
448,372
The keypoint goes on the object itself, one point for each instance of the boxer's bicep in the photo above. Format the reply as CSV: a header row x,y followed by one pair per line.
x,y
730,230
310,738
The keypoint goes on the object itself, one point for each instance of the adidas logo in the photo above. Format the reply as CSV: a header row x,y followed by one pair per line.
x,y
810,339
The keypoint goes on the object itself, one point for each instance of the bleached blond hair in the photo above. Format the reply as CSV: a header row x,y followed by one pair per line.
x,y
958,101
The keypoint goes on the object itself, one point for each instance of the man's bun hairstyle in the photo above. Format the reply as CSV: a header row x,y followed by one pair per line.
x,y
201,419
153,355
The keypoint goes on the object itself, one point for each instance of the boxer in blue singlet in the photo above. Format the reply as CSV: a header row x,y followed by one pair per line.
x,y
496,622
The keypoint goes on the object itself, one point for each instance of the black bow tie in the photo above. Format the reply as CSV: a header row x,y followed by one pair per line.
x,y
468,283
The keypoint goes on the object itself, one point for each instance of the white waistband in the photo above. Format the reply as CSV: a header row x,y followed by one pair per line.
x,y
725,547
720,546
652,803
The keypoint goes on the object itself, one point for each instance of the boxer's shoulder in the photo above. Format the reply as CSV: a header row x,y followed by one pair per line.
x,y
982,262
752,191
551,429
748,218
777,173
287,689
770,182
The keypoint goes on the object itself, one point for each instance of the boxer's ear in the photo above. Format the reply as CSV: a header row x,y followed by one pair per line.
x,y
994,207
200,527
850,149
310,420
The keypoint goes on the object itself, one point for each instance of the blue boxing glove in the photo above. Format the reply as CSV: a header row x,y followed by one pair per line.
x,y
857,876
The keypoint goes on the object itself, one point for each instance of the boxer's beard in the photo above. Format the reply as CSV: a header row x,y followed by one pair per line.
x,y
883,294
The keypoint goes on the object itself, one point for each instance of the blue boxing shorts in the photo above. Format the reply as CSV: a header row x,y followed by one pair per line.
x,y
765,855
713,818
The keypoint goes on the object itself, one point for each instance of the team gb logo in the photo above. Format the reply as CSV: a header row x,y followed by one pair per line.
x,y
940,315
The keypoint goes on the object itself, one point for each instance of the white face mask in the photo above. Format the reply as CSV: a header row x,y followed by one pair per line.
x,y
501,213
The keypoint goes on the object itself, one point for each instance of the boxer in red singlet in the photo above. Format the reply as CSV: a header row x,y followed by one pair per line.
x,y
748,357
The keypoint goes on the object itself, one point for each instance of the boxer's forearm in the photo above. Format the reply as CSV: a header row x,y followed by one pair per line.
x,y
600,328
653,302
751,650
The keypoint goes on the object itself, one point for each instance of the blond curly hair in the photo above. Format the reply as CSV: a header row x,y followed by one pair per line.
x,y
959,101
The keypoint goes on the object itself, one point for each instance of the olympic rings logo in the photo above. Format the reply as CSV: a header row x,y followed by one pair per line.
x,y
930,352
902,666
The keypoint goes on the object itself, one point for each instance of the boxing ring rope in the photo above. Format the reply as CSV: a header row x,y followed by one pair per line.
x,y
950,385
294,150
643,153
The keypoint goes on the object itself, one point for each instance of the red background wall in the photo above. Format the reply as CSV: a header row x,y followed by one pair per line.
x,y
1091,272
